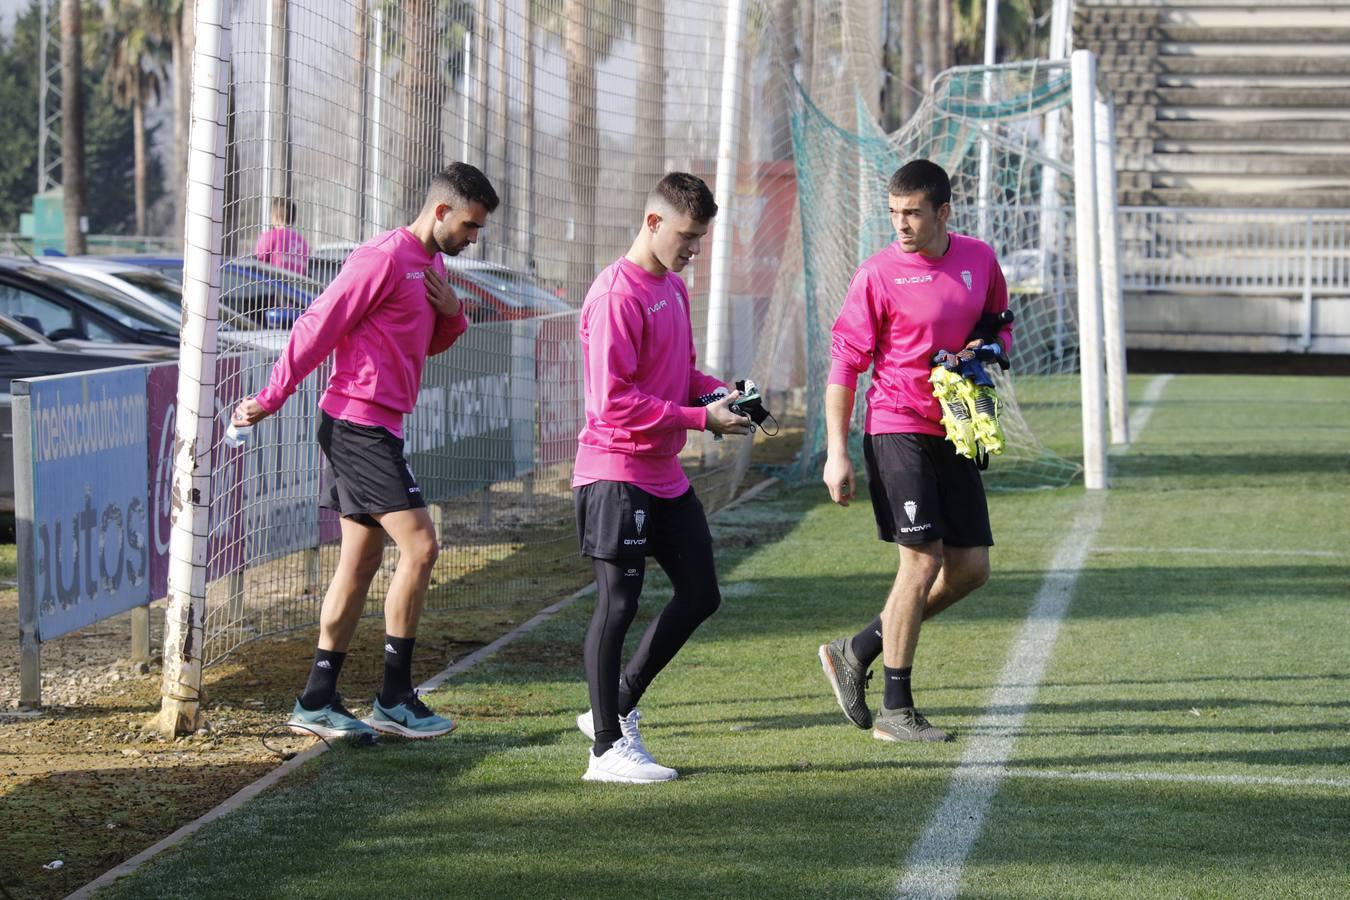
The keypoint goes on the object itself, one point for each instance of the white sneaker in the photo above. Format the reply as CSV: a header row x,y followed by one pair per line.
x,y
625,764
628,726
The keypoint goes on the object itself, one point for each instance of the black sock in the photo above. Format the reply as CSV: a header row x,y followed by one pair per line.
x,y
323,676
397,670
898,695
866,644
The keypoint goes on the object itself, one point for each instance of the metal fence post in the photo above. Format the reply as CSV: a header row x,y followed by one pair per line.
x,y
30,641
1305,342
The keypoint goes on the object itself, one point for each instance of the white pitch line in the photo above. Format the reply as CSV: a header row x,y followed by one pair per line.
x,y
1220,551
1143,410
1240,780
935,864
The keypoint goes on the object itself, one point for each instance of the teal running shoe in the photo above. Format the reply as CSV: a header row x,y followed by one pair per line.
x,y
333,722
950,390
409,719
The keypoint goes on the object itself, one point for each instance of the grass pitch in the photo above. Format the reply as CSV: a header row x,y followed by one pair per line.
x,y
1188,738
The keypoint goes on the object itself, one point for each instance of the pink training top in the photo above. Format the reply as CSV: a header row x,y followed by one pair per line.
x,y
377,322
284,248
640,382
900,309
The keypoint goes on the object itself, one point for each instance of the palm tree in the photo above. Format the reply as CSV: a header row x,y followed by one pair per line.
x,y
134,42
72,124
650,141
590,30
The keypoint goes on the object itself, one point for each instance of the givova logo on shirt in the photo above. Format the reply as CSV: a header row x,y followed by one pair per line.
x,y
915,279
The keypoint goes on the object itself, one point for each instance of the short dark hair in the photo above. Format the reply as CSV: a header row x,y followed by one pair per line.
x,y
460,184
284,210
687,194
922,175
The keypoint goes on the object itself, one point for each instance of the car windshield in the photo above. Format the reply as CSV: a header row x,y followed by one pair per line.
x,y
102,298
512,288
160,285
154,283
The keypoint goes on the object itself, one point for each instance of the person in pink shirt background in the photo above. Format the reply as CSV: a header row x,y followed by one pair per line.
x,y
388,309
633,500
281,245
921,294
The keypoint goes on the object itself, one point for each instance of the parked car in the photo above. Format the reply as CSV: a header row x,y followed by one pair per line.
x,y
163,295
490,292
82,314
24,353
264,295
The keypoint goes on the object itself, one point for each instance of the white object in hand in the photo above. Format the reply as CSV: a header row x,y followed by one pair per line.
x,y
237,435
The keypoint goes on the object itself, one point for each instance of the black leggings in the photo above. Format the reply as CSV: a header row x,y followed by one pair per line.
x,y
618,586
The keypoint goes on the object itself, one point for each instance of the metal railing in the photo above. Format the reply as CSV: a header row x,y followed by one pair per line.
x,y
1301,253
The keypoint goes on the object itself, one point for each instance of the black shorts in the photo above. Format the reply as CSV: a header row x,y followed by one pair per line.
x,y
364,472
922,491
618,520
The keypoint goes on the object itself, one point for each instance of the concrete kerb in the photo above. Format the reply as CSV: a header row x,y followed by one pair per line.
x,y
248,792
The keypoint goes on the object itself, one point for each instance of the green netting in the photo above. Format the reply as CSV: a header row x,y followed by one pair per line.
x,y
842,174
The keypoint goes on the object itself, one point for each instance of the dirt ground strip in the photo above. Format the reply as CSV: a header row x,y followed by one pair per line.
x,y
82,783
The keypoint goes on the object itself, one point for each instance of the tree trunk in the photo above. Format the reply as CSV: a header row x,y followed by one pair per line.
x,y
946,52
501,146
361,138
780,95
138,101
909,58
72,124
809,44
185,43
527,199
650,144
929,27
424,87
583,149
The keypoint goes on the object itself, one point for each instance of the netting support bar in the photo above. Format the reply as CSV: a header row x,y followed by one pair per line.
x,y
184,632
1083,69
1108,229
986,148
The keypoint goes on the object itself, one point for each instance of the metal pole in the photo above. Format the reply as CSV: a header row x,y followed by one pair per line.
x,y
986,149
184,631
30,638
718,346
376,213
1051,226
1108,229
1305,343
1084,72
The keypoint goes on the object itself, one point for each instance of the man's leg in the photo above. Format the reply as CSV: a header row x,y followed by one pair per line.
x,y
319,711
359,558
693,575
618,586
964,569
398,710
901,620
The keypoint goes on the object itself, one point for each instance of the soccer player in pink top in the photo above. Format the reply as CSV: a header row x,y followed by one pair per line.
x,y
281,245
632,497
923,293
389,308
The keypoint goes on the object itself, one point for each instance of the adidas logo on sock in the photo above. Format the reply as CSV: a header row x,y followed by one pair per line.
x,y
323,664
389,648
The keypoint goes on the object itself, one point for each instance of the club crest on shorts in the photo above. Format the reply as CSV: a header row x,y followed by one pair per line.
x,y
965,276
639,519
911,510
